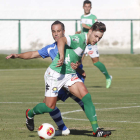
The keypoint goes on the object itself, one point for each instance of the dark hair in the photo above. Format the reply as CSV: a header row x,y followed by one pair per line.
x,y
58,22
86,2
98,26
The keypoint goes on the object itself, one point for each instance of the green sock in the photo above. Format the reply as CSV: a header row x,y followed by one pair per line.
x,y
90,111
102,68
40,108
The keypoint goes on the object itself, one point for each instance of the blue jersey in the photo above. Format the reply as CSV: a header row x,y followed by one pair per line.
x,y
51,51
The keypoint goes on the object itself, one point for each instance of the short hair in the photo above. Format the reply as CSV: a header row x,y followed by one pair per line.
x,y
87,2
58,22
98,26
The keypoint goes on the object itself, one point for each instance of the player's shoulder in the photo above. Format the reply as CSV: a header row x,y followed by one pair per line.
x,y
50,45
82,16
78,38
78,35
93,16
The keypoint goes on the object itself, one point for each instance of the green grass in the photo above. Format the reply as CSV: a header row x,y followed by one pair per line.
x,y
20,63
117,60
117,108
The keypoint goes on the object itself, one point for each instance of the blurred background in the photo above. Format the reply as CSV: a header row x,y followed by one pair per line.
x,y
25,23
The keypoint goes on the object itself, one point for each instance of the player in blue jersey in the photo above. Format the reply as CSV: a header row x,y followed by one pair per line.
x,y
58,31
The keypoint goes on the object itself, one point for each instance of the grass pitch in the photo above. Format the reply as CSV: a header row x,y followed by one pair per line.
x,y
117,108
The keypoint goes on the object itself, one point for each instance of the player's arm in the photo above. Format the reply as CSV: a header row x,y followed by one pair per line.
x,y
85,26
26,55
78,32
83,57
75,66
61,45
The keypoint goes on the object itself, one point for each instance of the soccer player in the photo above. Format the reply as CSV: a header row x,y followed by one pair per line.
x,y
58,30
86,22
60,74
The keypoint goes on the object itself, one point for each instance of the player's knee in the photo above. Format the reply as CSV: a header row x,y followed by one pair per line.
x,y
50,105
95,60
44,100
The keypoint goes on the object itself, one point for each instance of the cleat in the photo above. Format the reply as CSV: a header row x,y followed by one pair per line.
x,y
108,82
101,133
29,121
62,132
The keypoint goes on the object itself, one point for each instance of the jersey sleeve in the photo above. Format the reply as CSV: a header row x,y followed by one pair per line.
x,y
68,40
94,19
44,52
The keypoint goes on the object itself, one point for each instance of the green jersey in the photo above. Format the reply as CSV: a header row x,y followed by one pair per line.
x,y
89,20
73,53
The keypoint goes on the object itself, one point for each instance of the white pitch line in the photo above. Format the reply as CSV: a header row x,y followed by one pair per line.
x,y
118,107
98,120
64,103
22,69
84,68
29,103
63,113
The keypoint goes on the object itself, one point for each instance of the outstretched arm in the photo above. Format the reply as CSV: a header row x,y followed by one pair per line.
x,y
61,45
26,55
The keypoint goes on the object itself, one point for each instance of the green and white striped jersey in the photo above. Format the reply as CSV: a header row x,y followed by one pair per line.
x,y
73,51
89,20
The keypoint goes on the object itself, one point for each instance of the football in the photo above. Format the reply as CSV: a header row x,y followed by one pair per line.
x,y
46,131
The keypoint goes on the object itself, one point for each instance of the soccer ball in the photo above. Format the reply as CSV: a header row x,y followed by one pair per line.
x,y
46,131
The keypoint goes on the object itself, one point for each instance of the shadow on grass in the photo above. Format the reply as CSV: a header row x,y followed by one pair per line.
x,y
34,134
95,86
80,132
84,132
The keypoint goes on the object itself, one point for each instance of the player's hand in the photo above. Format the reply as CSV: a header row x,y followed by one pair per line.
x,y
78,32
84,75
84,25
60,62
12,56
74,66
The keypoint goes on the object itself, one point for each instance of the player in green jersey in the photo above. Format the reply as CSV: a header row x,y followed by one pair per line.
x,y
60,74
86,22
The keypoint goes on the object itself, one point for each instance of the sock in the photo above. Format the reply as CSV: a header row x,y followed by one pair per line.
x,y
40,108
102,68
56,116
90,111
77,100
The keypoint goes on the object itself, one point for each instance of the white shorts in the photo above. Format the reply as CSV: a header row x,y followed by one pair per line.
x,y
92,51
54,81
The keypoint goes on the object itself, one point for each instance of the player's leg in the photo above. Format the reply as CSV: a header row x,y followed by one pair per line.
x,y
56,115
103,69
94,54
40,108
79,101
82,93
79,90
49,102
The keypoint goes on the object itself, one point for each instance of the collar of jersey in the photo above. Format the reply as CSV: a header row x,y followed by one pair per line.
x,y
87,15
